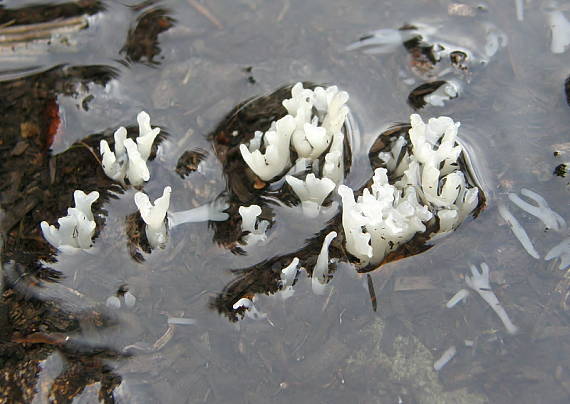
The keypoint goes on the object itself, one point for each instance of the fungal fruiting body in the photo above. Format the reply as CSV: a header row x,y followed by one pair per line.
x,y
154,215
77,228
416,185
311,132
128,160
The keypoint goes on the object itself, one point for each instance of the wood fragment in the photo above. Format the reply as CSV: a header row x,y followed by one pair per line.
x,y
404,283
26,33
42,338
92,152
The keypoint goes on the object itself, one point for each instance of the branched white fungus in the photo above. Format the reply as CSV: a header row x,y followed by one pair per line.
x,y
129,158
154,216
288,276
562,251
518,231
312,126
312,192
115,164
248,223
146,135
447,91
321,268
251,310
137,171
550,218
276,157
479,282
430,183
77,228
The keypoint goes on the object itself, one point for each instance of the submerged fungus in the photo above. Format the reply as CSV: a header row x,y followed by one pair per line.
x,y
562,251
480,282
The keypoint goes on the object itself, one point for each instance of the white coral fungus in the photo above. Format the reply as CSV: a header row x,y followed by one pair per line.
x,y
430,183
518,231
312,126
541,210
312,192
154,216
479,282
129,158
321,269
288,276
562,251
77,228
251,310
256,233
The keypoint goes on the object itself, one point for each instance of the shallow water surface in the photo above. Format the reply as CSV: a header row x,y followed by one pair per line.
x,y
72,73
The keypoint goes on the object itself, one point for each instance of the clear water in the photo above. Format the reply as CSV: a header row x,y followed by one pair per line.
x,y
332,348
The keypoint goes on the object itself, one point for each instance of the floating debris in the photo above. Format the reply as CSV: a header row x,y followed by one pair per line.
x,y
561,170
435,93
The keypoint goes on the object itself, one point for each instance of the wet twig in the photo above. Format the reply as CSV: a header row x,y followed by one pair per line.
x,y
206,13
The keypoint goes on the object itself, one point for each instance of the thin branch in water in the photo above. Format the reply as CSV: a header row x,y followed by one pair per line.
x,y
206,13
